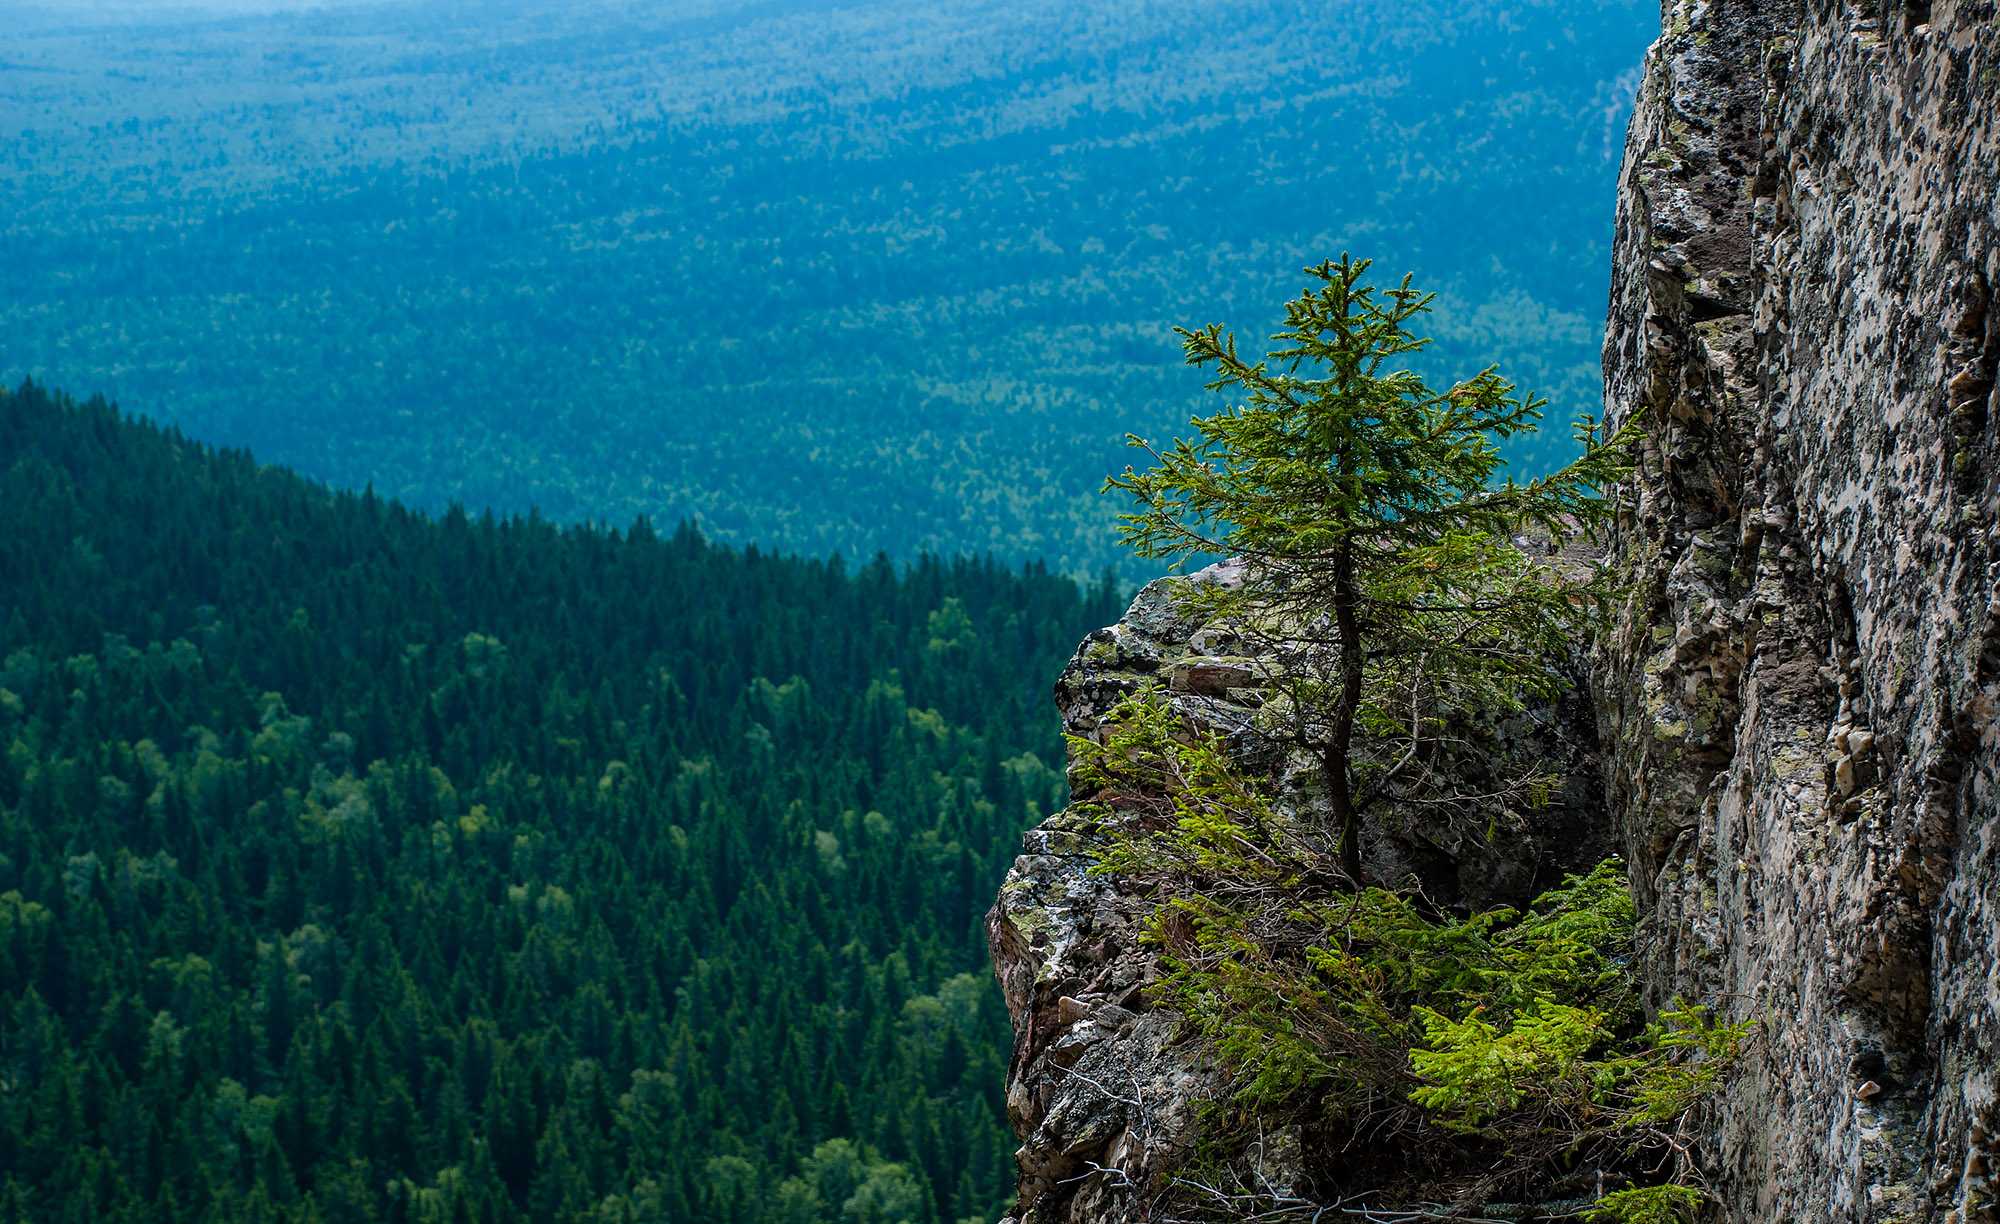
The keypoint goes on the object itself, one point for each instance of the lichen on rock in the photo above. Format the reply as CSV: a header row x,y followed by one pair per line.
x,y
1799,307
1103,1097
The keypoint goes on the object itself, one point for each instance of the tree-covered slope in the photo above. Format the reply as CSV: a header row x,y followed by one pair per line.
x,y
886,274
359,865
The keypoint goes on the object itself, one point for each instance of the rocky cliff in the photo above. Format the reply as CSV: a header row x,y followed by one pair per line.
x,y
1797,708
1101,1094
1799,702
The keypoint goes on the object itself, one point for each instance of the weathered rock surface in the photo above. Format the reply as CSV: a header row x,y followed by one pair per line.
x,y
1103,1098
1799,701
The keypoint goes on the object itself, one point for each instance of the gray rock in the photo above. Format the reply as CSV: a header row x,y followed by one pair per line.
x,y
1797,701
1106,1100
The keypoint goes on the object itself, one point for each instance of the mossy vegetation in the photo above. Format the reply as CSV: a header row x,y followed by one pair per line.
x,y
1663,1204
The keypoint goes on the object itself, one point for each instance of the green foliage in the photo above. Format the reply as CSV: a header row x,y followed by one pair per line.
x,y
1384,562
1693,1051
819,276
1366,1010
1474,1072
1667,1204
357,865
1337,443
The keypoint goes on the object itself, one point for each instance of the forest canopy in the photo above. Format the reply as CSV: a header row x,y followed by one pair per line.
x,y
357,864
890,275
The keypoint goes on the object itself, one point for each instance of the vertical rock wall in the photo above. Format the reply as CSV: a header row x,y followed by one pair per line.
x,y
1800,703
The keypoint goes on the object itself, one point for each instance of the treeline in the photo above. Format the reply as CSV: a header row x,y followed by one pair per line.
x,y
359,865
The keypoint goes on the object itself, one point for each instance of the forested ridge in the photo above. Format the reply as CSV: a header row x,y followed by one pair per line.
x,y
357,864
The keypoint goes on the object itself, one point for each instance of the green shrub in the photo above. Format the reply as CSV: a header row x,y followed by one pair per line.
x,y
1518,1032
1668,1204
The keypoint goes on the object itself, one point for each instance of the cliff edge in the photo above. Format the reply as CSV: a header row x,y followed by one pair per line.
x,y
1797,714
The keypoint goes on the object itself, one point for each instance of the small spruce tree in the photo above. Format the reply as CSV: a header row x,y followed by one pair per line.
x,y
1409,590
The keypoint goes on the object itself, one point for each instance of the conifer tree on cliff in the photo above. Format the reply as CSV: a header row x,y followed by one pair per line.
x,y
1410,594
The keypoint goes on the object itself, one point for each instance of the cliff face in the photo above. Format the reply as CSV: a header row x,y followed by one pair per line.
x,y
1799,703
1799,709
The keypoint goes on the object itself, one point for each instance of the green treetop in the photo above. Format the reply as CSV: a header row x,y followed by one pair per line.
x,y
1408,590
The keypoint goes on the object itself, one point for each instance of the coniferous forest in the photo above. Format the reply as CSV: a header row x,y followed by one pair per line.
x,y
582,805
360,865
820,275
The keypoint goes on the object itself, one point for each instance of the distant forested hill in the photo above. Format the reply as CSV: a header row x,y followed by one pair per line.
x,y
358,865
887,274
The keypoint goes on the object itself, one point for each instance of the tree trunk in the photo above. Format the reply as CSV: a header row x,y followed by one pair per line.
x,y
1339,775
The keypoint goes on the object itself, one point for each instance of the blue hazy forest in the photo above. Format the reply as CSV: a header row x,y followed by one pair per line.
x,y
895,275
534,539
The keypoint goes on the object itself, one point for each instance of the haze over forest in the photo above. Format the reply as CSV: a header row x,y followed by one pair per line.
x,y
896,275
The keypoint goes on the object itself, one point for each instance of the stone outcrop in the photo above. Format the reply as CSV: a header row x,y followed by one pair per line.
x,y
1799,707
1104,1097
1799,702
